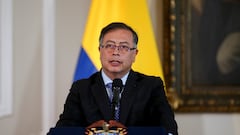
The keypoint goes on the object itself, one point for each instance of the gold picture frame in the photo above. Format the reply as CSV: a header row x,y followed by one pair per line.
x,y
192,84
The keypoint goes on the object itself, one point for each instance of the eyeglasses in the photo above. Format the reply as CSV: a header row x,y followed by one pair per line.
x,y
121,48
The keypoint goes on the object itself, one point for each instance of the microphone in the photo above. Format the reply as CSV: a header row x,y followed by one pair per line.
x,y
117,86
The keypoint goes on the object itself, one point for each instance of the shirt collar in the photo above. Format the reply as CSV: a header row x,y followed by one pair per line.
x,y
107,80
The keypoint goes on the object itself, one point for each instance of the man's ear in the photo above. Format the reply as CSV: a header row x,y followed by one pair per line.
x,y
136,51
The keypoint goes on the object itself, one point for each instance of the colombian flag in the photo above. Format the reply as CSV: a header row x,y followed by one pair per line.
x,y
134,13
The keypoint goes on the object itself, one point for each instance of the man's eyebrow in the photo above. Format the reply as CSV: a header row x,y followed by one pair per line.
x,y
124,42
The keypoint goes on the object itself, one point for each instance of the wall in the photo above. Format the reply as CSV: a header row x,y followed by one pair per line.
x,y
70,22
25,119
70,19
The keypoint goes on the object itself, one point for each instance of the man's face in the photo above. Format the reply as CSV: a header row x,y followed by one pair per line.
x,y
117,61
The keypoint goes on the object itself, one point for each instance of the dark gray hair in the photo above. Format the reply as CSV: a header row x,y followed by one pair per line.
x,y
118,25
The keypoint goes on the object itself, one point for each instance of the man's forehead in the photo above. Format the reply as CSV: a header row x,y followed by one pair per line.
x,y
117,42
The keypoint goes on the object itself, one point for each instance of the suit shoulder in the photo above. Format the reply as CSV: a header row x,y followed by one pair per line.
x,y
147,77
87,81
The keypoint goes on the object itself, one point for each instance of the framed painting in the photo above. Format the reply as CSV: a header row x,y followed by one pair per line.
x,y
202,55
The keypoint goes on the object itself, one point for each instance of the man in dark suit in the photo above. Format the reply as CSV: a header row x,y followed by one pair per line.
x,y
142,100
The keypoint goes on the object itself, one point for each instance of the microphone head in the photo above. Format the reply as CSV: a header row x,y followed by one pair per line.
x,y
117,83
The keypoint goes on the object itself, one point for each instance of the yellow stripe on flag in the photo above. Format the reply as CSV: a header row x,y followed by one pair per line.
x,y
134,13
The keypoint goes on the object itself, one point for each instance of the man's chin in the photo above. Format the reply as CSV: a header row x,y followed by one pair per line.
x,y
115,70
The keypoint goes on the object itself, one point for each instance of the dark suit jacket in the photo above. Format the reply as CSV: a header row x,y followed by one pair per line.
x,y
143,103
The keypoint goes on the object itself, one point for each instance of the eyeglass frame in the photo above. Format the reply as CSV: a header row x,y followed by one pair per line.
x,y
121,48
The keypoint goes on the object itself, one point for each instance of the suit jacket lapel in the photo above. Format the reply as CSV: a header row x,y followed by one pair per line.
x,y
128,95
99,92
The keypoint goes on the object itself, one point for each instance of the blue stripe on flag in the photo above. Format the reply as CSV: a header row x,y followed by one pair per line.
x,y
85,67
